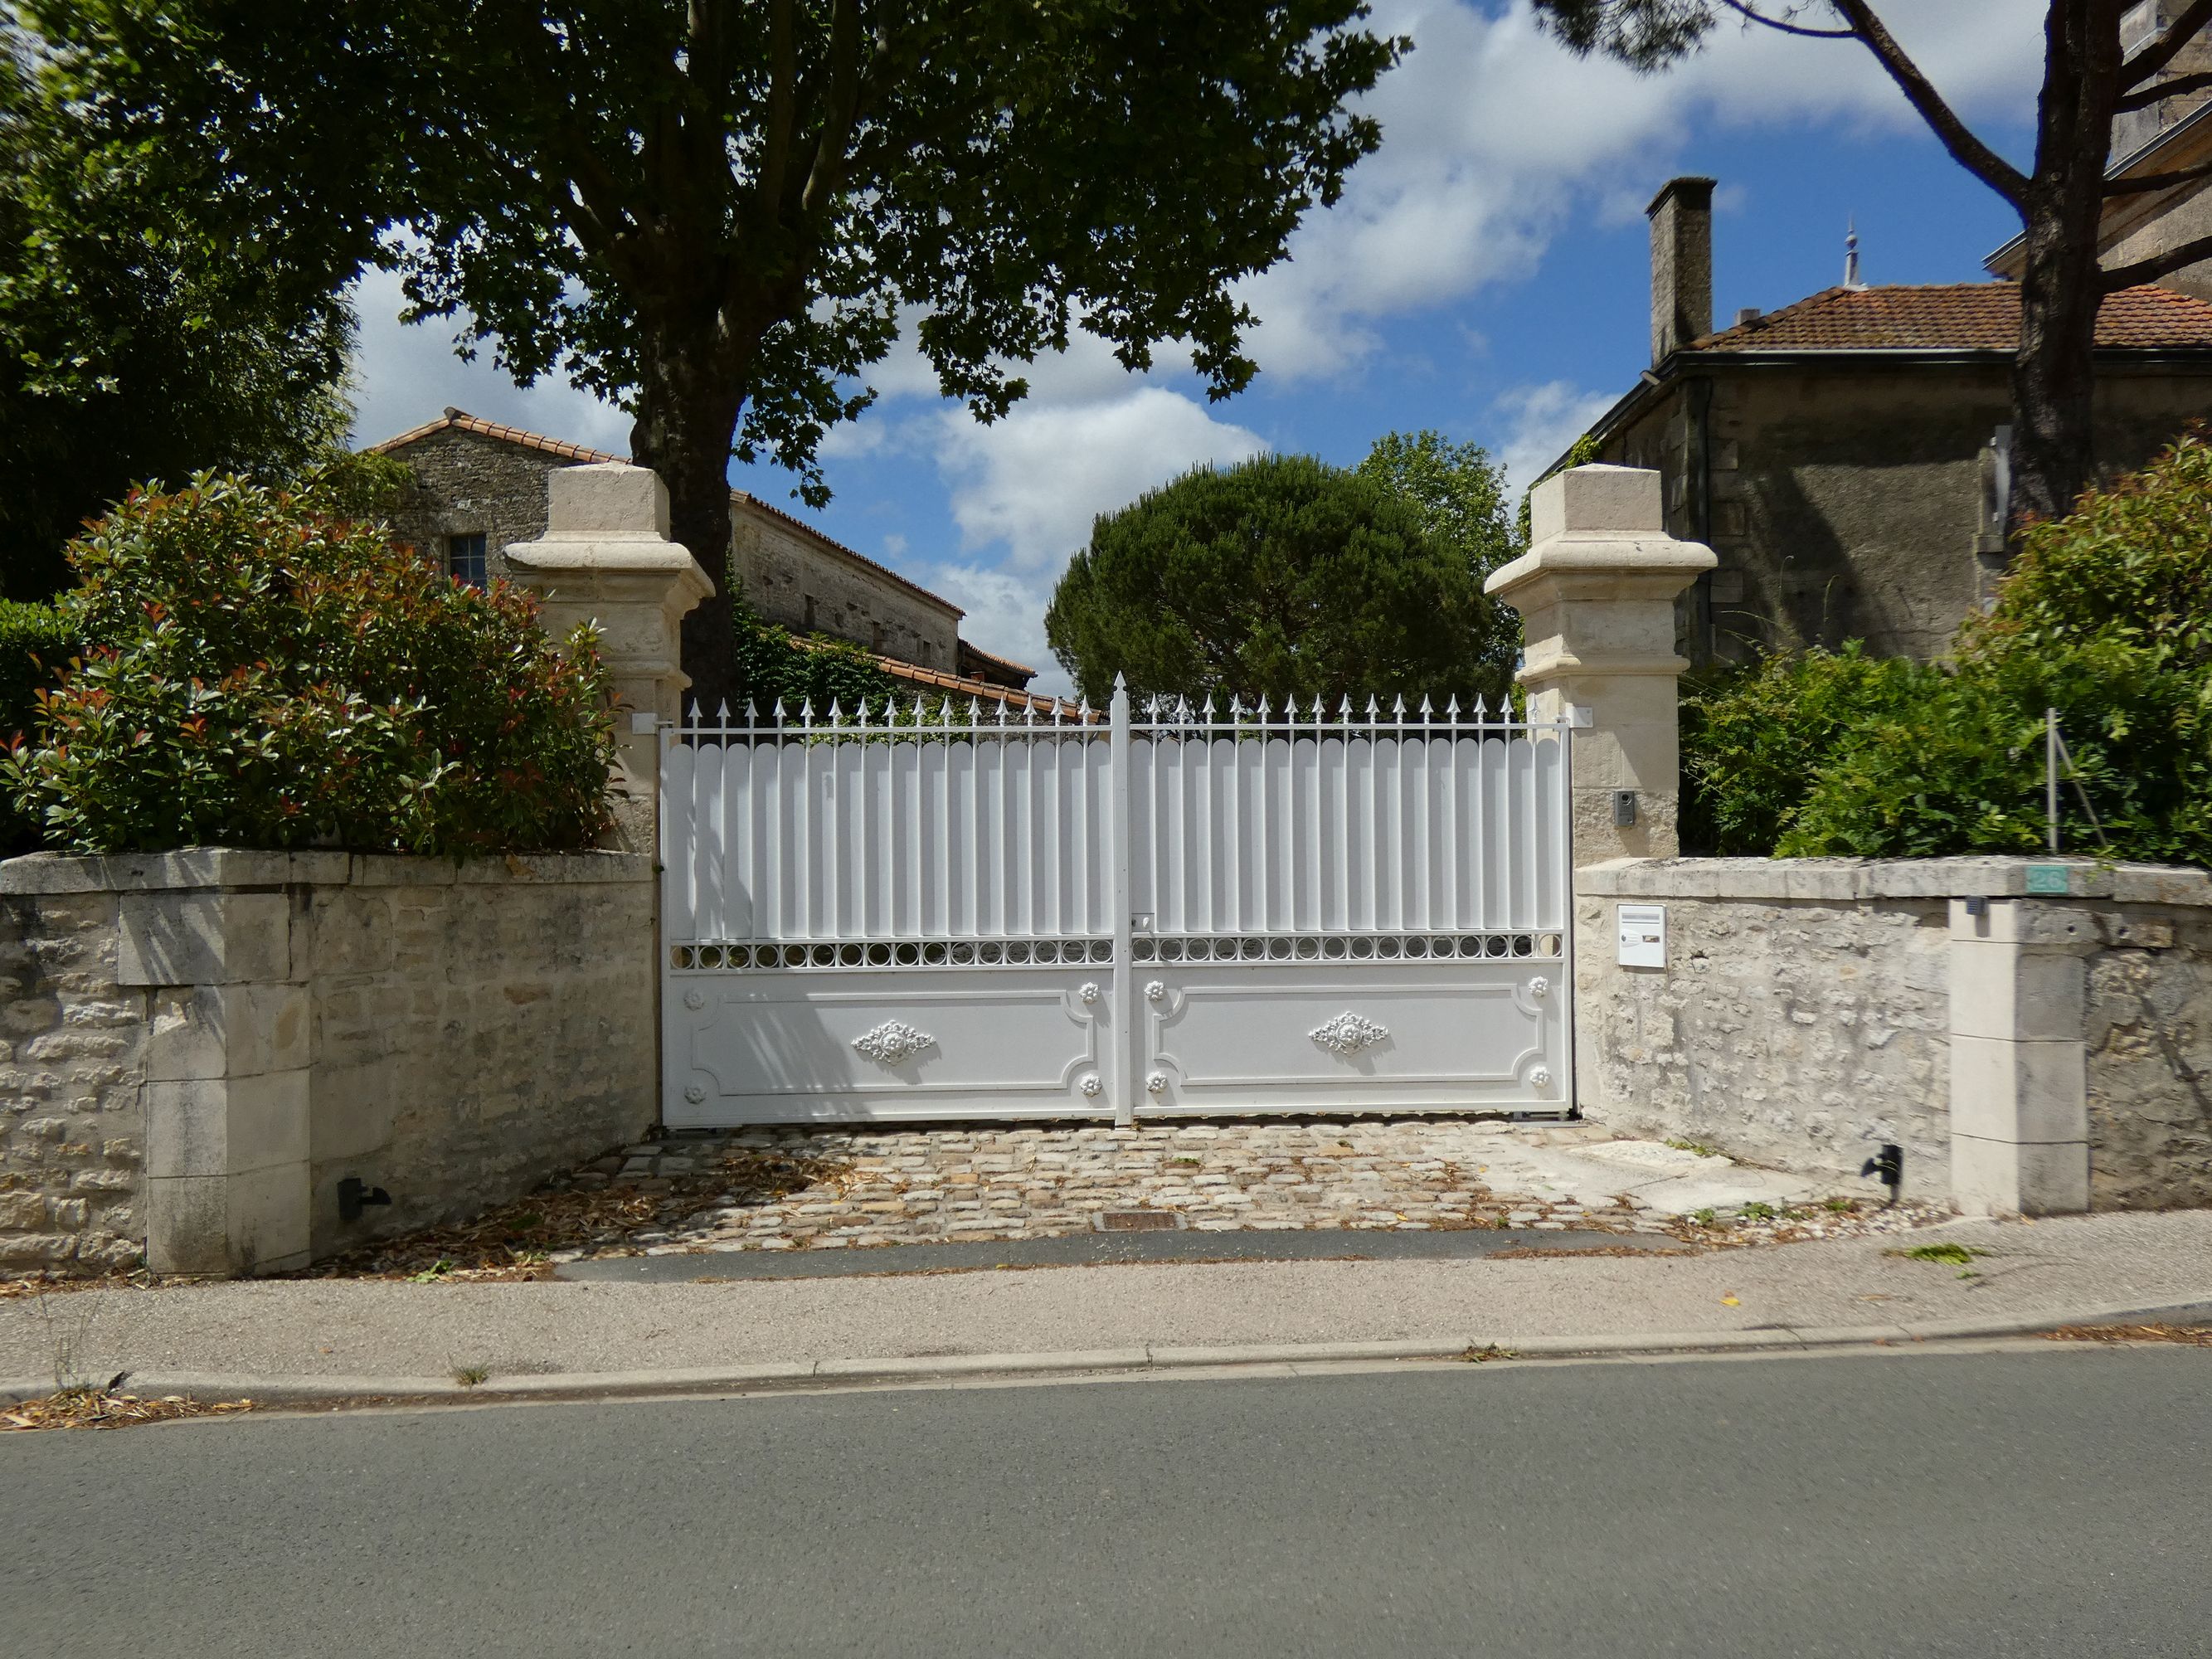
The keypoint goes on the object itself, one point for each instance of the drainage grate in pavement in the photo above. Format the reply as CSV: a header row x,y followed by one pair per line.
x,y
1137,1221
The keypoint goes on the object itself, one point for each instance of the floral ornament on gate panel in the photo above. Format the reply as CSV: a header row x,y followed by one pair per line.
x,y
893,1042
1348,1033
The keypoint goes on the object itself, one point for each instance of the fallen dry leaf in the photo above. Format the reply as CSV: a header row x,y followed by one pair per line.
x,y
96,1408
2191,1336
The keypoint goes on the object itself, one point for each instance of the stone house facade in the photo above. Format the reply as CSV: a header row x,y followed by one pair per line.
x,y
479,487
1844,455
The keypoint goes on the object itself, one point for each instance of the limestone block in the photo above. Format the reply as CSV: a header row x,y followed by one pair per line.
x,y
1595,498
204,937
2003,993
227,1125
227,1031
2027,1092
2003,1177
222,1224
610,499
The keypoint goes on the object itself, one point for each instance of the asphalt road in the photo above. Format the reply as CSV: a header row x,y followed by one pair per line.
x,y
2051,1501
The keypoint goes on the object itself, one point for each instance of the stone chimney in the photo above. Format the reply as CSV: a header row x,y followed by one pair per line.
x,y
1681,217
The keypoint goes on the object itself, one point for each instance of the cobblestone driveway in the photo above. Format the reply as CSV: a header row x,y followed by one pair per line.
x,y
905,1185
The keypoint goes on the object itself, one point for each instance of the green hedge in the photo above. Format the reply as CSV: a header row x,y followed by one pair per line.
x,y
2107,616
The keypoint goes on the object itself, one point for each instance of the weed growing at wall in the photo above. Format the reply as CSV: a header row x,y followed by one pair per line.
x,y
255,673
2106,618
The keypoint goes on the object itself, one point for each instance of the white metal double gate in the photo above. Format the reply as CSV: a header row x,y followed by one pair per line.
x,y
933,914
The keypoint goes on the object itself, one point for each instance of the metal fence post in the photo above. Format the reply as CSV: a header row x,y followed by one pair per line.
x,y
1126,1017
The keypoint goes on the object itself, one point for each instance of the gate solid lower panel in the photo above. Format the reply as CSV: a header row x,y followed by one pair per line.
x,y
1224,1037
799,1047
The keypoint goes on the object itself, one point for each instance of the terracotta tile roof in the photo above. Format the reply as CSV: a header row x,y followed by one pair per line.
x,y
995,660
1956,317
459,420
936,679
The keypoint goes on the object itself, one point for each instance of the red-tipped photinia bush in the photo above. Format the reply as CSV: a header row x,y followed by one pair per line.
x,y
256,673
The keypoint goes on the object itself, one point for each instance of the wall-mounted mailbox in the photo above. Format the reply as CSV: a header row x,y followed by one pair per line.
x,y
1642,929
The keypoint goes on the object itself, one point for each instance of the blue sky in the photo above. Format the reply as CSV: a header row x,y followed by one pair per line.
x,y
1486,274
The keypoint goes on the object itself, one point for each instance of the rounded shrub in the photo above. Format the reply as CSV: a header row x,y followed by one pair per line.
x,y
256,673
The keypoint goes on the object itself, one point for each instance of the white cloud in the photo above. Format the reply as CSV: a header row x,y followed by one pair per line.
x,y
1031,485
406,375
1034,480
1005,615
1541,421
1493,134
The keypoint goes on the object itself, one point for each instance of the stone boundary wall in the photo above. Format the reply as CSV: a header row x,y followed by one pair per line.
x,y
201,1046
2037,1035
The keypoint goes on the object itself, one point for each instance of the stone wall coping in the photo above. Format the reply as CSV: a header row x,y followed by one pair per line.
x,y
229,867
1858,879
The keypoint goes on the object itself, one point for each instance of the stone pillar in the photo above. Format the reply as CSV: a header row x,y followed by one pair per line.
x,y
1595,592
2019,1088
606,558
227,1061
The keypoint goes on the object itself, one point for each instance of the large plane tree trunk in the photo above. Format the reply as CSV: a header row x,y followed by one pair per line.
x,y
688,400
2061,287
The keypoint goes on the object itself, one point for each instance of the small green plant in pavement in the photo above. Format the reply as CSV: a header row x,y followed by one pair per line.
x,y
1696,1147
1955,1256
1757,1212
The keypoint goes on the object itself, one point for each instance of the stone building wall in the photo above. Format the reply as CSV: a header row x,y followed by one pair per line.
x,y
1810,1010
1845,503
204,1044
792,578
466,484
469,483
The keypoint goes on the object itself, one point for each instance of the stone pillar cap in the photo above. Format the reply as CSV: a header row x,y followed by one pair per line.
x,y
1601,520
606,501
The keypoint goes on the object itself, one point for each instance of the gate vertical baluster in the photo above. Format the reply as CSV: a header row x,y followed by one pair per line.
x,y
1124,1019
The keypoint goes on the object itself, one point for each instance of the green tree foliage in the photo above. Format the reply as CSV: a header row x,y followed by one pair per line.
x,y
1279,576
2106,618
140,335
1460,495
719,213
256,674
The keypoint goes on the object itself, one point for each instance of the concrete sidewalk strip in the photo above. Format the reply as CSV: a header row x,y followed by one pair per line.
x,y
945,1368
329,1338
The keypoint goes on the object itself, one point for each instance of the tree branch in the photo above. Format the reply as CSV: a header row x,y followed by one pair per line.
x,y
782,102
2151,58
1783,25
2158,266
2159,91
2150,181
841,108
1968,151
